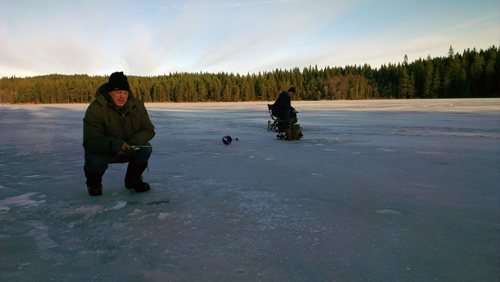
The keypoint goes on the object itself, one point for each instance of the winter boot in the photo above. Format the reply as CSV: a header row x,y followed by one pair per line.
x,y
133,178
94,182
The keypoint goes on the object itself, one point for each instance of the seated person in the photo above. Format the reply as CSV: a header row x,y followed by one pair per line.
x,y
283,109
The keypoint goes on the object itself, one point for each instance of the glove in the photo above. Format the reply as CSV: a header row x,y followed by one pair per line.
x,y
127,152
116,145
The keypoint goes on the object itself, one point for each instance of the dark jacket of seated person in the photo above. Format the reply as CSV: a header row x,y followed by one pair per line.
x,y
282,108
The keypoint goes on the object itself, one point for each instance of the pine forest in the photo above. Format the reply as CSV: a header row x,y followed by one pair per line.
x,y
472,74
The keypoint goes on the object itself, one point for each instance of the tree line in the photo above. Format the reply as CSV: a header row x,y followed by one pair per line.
x,y
472,74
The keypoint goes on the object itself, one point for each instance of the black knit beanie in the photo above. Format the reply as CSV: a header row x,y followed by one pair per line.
x,y
118,81
292,89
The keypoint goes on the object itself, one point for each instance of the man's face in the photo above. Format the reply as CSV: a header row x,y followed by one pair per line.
x,y
119,97
290,93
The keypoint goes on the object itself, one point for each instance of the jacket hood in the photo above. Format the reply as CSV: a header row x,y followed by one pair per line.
x,y
285,94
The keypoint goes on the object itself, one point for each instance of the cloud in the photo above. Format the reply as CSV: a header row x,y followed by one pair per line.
x,y
99,37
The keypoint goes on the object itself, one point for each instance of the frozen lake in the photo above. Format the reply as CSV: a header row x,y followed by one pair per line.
x,y
397,190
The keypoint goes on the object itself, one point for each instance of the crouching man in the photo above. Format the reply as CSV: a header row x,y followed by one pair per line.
x,y
114,122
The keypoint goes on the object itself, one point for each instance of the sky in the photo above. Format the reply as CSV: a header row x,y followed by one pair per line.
x,y
150,38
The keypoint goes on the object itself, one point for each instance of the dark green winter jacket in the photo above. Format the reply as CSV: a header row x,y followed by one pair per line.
x,y
104,123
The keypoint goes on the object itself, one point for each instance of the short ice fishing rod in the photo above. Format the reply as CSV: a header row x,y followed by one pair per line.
x,y
138,147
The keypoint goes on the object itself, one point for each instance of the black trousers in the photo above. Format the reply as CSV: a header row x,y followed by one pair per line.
x,y
98,163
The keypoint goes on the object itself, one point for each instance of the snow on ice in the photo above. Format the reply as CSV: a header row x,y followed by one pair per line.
x,y
392,190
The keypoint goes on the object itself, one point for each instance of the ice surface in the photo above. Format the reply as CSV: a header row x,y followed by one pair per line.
x,y
402,190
